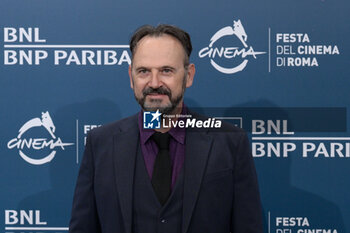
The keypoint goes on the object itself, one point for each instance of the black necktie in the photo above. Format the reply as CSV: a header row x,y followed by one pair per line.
x,y
161,177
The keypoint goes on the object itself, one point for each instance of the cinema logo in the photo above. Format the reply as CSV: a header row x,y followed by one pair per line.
x,y
28,221
243,51
155,120
29,144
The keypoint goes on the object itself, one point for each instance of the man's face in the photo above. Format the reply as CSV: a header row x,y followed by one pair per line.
x,y
157,74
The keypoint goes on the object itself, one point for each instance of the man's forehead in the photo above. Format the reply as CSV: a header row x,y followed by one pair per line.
x,y
164,45
160,39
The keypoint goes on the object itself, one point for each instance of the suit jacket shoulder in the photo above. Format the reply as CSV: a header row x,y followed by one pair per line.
x,y
110,129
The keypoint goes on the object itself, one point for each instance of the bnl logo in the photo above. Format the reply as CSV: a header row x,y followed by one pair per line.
x,y
151,120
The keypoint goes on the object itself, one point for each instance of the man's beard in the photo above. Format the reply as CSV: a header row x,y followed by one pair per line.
x,y
167,109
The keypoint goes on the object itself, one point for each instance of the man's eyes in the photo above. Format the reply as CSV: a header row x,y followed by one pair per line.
x,y
163,71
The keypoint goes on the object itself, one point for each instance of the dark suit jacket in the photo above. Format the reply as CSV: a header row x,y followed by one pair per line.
x,y
220,185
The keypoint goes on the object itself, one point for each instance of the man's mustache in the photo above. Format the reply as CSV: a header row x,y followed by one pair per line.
x,y
159,90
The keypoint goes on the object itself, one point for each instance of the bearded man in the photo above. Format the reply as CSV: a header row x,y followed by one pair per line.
x,y
167,179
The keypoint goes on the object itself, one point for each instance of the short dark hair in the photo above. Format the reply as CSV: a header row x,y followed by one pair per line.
x,y
149,30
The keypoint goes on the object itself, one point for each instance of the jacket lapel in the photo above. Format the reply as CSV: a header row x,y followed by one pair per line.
x,y
124,154
198,145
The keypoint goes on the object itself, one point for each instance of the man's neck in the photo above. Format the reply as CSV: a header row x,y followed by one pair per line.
x,y
173,117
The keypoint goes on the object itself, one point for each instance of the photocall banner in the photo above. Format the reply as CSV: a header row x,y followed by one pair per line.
x,y
278,69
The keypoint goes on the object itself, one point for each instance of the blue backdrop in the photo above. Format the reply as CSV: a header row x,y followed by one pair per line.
x,y
63,71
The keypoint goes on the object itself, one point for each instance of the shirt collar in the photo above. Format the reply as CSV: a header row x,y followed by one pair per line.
x,y
177,133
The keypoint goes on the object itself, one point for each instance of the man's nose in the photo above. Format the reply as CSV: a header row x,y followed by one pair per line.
x,y
155,81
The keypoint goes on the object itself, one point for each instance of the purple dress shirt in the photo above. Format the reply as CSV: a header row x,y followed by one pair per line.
x,y
176,147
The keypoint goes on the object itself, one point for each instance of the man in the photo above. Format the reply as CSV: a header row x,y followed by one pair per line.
x,y
165,180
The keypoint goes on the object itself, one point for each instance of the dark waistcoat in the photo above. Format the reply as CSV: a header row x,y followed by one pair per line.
x,y
148,214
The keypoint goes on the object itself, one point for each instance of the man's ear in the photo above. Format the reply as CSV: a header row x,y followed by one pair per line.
x,y
130,76
191,70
